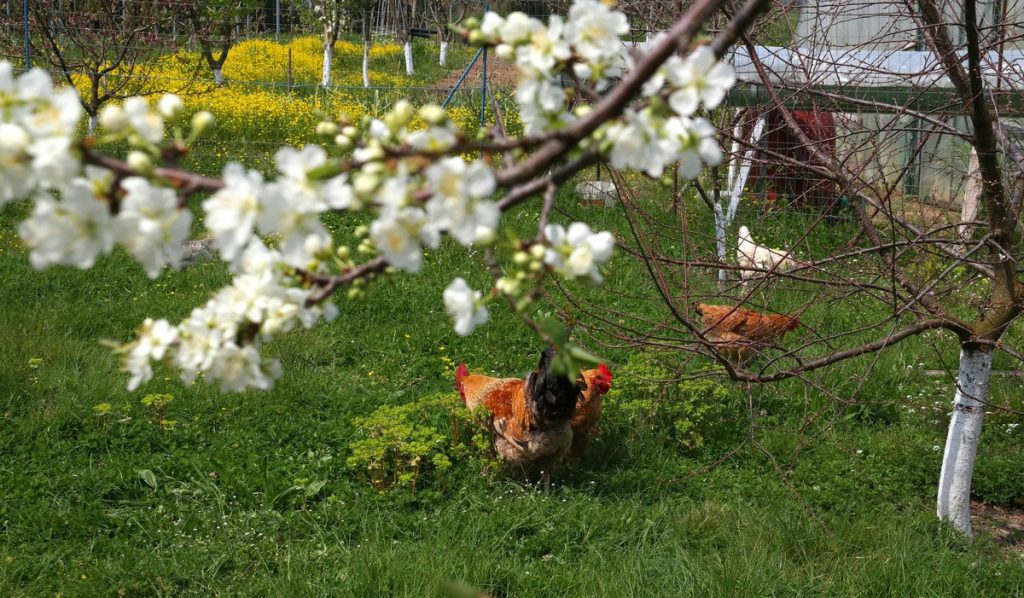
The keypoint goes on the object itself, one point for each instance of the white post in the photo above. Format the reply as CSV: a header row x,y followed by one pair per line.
x,y
328,58
720,225
408,57
366,63
443,58
954,501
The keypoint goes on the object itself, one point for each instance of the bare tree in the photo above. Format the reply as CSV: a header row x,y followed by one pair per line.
x,y
908,268
109,43
330,14
442,14
215,24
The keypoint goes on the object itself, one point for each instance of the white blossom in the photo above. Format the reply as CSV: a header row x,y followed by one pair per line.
x,y
72,230
458,203
578,252
146,123
240,368
400,234
638,143
152,342
699,78
232,211
595,30
464,306
696,143
151,226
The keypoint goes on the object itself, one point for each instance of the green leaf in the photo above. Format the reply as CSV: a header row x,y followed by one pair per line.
x,y
581,356
314,488
555,330
147,476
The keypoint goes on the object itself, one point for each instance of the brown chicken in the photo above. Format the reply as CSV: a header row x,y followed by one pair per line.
x,y
586,421
529,418
739,332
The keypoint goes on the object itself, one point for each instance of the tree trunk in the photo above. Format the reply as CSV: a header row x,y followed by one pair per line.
x,y
218,75
328,58
443,57
954,503
366,63
408,57
92,124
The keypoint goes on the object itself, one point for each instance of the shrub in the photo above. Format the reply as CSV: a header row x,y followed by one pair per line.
x,y
648,398
409,446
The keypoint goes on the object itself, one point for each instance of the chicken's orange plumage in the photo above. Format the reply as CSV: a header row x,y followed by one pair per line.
x,y
741,331
529,418
585,422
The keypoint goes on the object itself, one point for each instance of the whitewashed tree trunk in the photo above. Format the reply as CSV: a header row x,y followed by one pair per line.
x,y
720,226
218,75
972,193
366,63
92,124
954,502
328,58
408,58
442,58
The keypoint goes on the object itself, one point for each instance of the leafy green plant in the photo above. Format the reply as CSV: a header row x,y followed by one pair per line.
x,y
648,397
403,444
157,404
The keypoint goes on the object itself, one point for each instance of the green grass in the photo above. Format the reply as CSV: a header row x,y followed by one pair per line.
x,y
631,519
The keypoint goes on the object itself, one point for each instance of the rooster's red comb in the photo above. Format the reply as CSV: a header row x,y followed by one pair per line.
x,y
605,371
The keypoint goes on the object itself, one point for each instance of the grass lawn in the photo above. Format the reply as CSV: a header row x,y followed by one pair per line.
x,y
178,489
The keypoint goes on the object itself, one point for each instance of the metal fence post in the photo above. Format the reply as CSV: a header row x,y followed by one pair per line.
x,y
28,42
483,79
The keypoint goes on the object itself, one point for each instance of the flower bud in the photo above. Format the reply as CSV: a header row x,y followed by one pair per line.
x,y
326,128
344,143
365,184
170,107
361,231
536,266
403,111
113,119
537,250
470,23
505,52
521,258
140,162
349,131
201,122
484,235
344,252
432,114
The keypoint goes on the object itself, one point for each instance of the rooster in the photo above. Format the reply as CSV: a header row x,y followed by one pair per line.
x,y
753,257
738,332
530,418
585,422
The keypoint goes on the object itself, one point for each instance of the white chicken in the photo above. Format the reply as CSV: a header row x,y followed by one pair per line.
x,y
753,257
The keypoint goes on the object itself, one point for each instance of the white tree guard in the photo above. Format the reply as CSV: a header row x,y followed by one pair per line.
x,y
736,181
954,502
325,79
744,169
366,63
408,58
